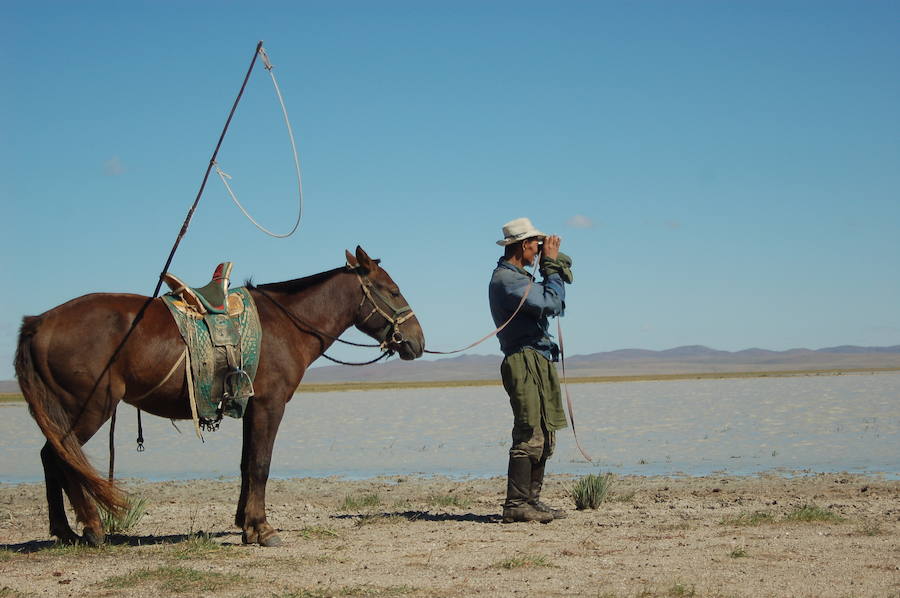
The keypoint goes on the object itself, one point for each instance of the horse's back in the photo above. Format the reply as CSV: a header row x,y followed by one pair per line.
x,y
79,338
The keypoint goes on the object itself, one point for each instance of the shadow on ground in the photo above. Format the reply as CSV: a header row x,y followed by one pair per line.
x,y
114,540
427,516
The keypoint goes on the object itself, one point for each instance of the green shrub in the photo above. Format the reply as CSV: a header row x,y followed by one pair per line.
x,y
591,490
125,521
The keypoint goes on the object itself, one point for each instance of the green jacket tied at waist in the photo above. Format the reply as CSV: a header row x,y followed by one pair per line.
x,y
528,375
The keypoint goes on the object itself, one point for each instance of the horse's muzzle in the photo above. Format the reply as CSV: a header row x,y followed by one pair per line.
x,y
408,349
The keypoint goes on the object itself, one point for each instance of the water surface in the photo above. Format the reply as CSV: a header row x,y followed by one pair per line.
x,y
694,427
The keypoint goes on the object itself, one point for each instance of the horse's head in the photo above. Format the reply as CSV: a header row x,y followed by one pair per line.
x,y
383,312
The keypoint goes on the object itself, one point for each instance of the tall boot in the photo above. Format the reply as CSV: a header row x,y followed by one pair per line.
x,y
537,482
518,492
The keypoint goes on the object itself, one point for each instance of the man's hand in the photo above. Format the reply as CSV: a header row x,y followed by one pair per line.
x,y
551,247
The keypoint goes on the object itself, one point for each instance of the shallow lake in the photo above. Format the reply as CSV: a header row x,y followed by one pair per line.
x,y
693,427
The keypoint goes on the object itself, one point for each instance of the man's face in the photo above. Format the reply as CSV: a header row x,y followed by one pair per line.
x,y
530,248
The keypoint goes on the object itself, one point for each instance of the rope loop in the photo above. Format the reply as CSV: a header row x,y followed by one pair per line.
x,y
225,177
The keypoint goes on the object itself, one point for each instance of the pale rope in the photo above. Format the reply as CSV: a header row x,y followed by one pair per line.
x,y
562,359
164,380
502,326
224,176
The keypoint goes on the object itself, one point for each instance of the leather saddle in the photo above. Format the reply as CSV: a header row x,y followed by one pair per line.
x,y
211,298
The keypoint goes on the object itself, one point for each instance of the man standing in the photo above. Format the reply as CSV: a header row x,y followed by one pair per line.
x,y
528,370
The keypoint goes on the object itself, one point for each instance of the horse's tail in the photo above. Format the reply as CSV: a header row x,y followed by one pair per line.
x,y
55,424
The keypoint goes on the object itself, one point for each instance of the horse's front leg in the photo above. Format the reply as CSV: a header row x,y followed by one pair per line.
x,y
260,427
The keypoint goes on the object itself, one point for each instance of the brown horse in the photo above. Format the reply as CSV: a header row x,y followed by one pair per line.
x,y
72,384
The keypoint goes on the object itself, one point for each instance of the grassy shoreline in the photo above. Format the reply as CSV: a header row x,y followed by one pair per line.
x,y
11,397
349,386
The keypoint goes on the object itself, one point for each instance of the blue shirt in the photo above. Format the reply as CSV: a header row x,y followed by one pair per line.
x,y
530,327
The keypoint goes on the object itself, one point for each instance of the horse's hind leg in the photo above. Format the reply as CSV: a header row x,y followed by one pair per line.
x,y
54,479
85,511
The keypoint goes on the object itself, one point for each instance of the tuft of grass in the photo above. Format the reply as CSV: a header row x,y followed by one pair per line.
x,y
6,554
180,580
518,562
678,590
77,550
353,503
626,497
316,531
361,590
198,545
449,500
7,592
135,509
749,519
812,514
737,553
591,490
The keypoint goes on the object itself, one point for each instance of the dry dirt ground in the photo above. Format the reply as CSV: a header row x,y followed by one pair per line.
x,y
713,536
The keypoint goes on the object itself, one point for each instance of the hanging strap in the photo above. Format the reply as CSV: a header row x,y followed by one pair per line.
x,y
112,443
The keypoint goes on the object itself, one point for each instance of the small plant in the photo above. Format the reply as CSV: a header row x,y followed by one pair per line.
x,y
449,500
120,523
626,497
737,553
679,590
378,518
812,513
176,580
197,545
591,490
523,561
352,503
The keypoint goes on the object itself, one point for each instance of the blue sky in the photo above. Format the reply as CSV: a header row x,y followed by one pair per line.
x,y
723,173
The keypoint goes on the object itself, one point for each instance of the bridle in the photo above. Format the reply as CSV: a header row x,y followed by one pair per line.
x,y
390,333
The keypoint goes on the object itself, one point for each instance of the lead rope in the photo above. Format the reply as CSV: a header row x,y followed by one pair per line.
x,y
225,177
502,326
562,361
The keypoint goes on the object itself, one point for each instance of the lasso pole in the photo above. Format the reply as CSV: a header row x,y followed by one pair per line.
x,y
212,162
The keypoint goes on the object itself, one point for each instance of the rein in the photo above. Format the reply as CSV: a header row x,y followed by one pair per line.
x,y
499,328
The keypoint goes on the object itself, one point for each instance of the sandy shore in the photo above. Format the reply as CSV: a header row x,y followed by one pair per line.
x,y
710,536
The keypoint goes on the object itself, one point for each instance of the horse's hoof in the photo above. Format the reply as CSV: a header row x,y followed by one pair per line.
x,y
93,538
270,541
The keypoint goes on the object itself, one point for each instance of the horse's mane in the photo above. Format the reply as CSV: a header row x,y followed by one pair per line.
x,y
296,285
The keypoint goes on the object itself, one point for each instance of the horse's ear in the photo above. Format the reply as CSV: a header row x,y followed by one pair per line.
x,y
351,260
365,261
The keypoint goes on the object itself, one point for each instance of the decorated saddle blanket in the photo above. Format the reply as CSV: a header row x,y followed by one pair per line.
x,y
224,353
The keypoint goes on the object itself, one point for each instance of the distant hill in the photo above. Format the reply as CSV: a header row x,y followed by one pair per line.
x,y
692,359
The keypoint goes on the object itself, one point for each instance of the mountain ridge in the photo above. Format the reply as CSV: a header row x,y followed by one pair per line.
x,y
687,359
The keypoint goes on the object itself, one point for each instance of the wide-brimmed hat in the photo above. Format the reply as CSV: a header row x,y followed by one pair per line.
x,y
518,229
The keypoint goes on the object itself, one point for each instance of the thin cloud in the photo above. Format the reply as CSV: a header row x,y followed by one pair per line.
x,y
113,167
672,224
580,221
